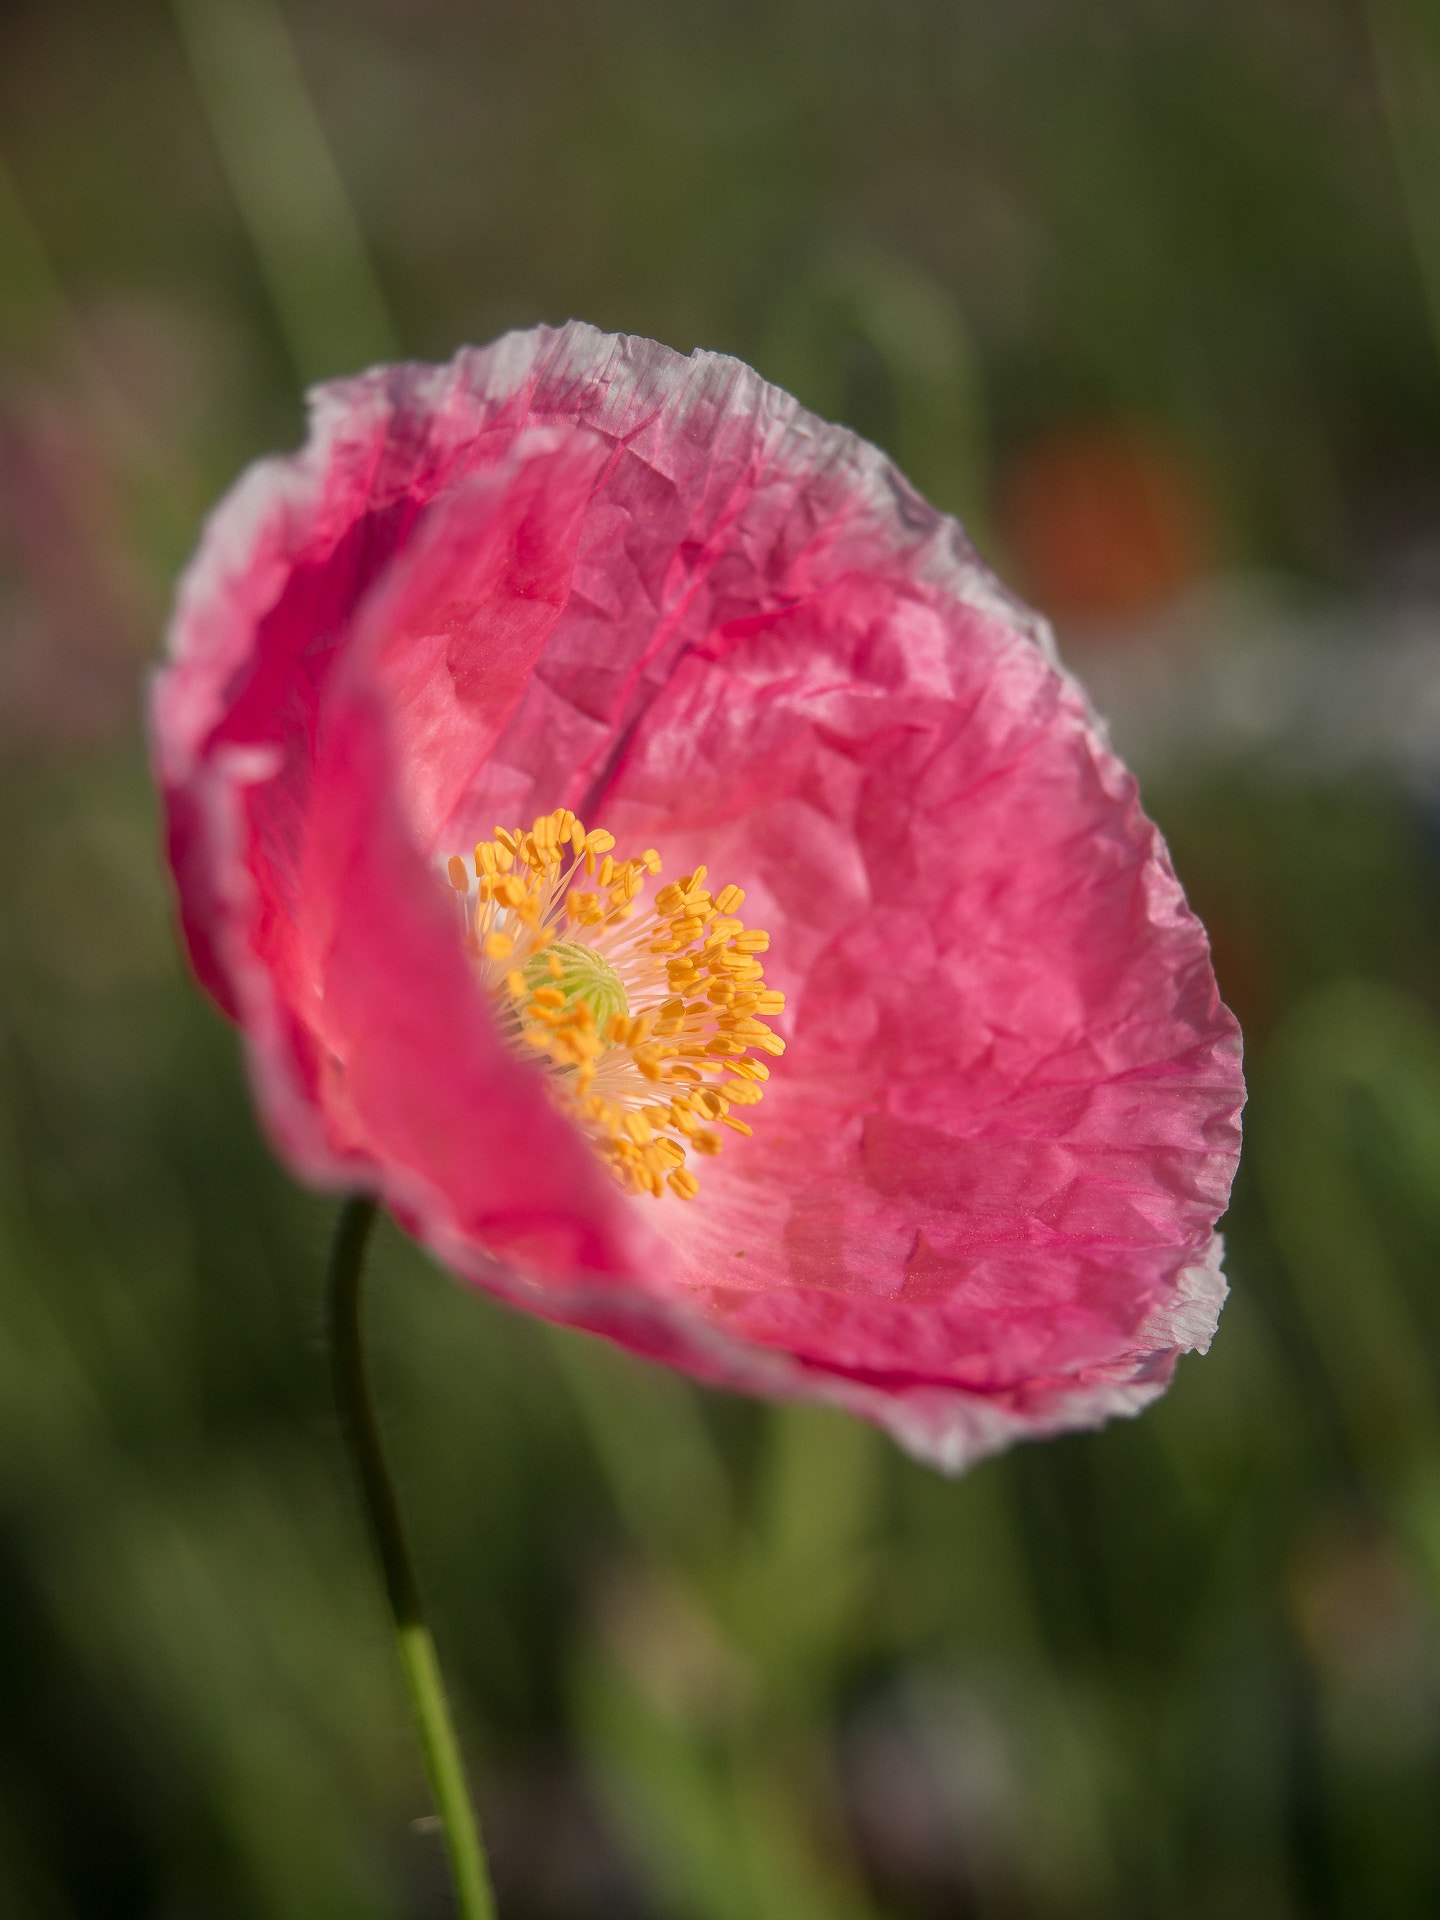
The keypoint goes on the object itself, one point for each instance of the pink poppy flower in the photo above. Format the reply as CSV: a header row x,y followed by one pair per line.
x,y
500,728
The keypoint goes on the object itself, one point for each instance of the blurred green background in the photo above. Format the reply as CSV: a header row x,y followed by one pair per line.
x,y
1146,289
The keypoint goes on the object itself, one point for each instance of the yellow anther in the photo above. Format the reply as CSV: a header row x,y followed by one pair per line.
x,y
742,1024
742,1093
459,878
652,1079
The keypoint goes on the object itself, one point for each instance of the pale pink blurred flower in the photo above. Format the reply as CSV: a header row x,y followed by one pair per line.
x,y
73,604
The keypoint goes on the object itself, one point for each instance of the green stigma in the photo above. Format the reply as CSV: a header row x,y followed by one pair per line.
x,y
584,975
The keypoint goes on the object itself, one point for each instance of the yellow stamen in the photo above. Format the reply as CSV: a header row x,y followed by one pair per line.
x,y
647,1018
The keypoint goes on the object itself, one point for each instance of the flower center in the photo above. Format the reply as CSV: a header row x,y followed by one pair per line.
x,y
645,1014
585,977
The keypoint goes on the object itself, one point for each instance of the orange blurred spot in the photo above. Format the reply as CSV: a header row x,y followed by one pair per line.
x,y
1105,522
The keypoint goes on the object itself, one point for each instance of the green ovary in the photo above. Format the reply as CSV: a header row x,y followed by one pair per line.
x,y
585,976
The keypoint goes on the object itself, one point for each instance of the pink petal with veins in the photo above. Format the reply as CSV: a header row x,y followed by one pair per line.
x,y
578,570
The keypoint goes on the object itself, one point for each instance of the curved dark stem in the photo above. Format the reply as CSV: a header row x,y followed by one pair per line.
x,y
443,1764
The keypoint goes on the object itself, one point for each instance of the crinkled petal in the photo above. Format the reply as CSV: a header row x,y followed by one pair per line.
x,y
578,570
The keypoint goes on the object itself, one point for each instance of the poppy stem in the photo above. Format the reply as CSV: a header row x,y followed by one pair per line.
x,y
468,1869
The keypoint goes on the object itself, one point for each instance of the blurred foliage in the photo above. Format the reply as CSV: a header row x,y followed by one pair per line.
x,y
715,1661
